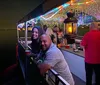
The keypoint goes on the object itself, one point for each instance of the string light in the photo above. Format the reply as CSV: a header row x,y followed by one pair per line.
x,y
91,9
56,10
21,25
50,16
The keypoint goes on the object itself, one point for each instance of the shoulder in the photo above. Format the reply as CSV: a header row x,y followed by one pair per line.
x,y
54,51
86,35
52,48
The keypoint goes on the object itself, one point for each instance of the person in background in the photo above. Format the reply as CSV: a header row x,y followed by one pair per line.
x,y
54,58
70,40
47,30
60,36
91,46
36,33
55,38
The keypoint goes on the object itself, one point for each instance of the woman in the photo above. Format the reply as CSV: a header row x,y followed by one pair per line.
x,y
36,33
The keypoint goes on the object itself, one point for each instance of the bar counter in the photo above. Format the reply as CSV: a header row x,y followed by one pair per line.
x,y
79,52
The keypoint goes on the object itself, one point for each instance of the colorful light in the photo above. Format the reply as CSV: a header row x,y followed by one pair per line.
x,y
60,7
87,2
20,25
50,16
65,5
56,10
91,7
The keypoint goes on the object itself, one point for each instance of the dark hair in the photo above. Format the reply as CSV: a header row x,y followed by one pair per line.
x,y
45,27
40,31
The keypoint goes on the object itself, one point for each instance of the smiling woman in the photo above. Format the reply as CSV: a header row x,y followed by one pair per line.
x,y
36,33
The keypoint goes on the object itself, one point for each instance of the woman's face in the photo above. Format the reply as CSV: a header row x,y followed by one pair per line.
x,y
35,33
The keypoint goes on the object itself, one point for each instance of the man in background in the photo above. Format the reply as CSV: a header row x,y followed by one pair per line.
x,y
91,46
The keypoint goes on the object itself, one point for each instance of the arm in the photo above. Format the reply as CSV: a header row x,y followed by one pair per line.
x,y
44,68
82,47
49,62
83,43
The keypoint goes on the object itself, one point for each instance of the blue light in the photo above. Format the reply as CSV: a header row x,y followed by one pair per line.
x,y
55,9
65,5
37,18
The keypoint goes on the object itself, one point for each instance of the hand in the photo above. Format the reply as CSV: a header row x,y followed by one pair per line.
x,y
44,68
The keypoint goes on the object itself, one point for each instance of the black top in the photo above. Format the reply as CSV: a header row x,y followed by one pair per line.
x,y
35,45
70,40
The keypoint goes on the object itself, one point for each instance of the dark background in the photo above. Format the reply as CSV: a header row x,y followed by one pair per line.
x,y
11,11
